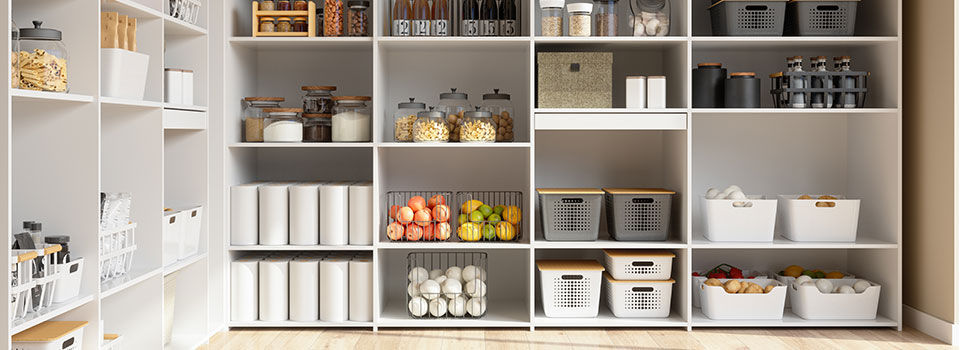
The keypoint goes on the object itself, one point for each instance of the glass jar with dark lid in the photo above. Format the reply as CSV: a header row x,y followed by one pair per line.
x,y
478,126
499,105
14,55
317,127
43,59
430,127
404,118
453,104
358,22
319,99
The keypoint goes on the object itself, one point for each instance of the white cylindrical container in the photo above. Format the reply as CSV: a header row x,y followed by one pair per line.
x,y
273,214
304,289
186,91
274,286
361,213
361,289
304,214
334,213
334,290
169,304
657,92
244,213
173,85
636,91
244,289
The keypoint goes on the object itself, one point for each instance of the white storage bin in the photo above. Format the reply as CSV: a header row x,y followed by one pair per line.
x,y
111,342
334,215
717,304
169,302
834,221
698,280
788,281
304,214
638,298
274,214
172,236
51,335
274,286
808,303
21,282
244,214
192,221
116,251
49,276
173,86
305,289
361,213
68,287
123,73
752,222
638,265
244,289
570,288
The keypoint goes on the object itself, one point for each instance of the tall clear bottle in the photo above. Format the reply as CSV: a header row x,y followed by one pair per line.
x,y
508,18
489,18
402,14
849,82
440,22
420,25
470,18
816,82
827,82
797,99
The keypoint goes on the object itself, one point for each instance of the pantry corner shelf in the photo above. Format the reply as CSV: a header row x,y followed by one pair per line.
x,y
176,26
57,309
182,263
789,320
132,278
779,242
301,145
297,248
299,43
31,95
499,314
608,119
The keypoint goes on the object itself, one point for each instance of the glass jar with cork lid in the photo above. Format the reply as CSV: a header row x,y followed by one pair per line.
x,y
253,116
319,99
317,127
283,125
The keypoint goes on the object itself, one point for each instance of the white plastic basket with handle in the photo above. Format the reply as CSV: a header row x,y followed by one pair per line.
x,y
819,220
638,265
809,303
717,304
21,282
51,335
638,298
570,288
111,342
739,220
116,251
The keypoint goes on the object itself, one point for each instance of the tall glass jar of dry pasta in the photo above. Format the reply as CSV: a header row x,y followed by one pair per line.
x,y
43,59
14,55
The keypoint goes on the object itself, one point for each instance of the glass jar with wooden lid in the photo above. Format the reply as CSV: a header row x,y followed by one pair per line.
x,y
283,125
284,25
319,99
317,127
268,25
253,115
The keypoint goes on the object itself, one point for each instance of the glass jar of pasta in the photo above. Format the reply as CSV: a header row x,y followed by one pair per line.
x,y
43,59
478,126
14,55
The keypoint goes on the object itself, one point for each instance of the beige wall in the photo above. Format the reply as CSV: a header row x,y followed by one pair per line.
x,y
928,157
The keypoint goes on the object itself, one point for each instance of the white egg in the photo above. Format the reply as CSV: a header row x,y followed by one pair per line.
x,y
861,286
712,193
809,283
652,26
737,195
417,306
474,272
438,307
440,279
802,279
476,288
435,273
430,289
451,288
455,272
822,284
740,204
418,274
477,306
732,188
457,306
413,289
844,289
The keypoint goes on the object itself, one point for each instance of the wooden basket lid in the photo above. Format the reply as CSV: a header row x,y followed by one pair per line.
x,y
638,253
609,278
638,191
49,331
569,191
569,265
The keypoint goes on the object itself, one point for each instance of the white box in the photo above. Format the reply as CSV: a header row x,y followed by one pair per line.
x,y
657,92
570,288
51,335
172,235
788,280
638,298
123,73
186,90
111,341
638,265
808,303
192,221
636,91
173,86
803,221
169,302
696,281
717,304
68,287
753,222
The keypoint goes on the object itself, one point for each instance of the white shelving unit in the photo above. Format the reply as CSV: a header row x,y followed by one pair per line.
x,y
856,152
66,148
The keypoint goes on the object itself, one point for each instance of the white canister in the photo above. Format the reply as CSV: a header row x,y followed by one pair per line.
x,y
244,213
636,91
657,92
173,85
361,213
274,286
334,290
244,289
361,289
334,213
273,214
187,87
304,289
304,214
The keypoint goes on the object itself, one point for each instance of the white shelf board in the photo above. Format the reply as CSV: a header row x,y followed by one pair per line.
x,y
173,119
24,95
57,309
114,101
301,145
608,119
456,144
296,324
297,248
130,8
132,278
500,313
182,263
193,108
295,43
613,40
606,319
779,242
175,26
606,243
792,111
771,42
186,341
453,245
789,320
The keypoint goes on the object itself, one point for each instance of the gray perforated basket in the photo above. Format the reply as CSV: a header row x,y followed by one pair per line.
x,y
636,214
747,17
819,17
570,214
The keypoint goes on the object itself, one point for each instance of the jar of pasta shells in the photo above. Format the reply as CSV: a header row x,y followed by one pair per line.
x,y
452,105
430,127
14,55
43,59
478,126
404,118
502,110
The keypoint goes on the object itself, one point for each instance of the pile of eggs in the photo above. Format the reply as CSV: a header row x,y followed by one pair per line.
x,y
825,286
731,192
456,291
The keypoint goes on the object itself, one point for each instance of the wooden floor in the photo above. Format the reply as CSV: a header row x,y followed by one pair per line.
x,y
420,339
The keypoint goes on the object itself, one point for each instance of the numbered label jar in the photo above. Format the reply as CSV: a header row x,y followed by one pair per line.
x,y
319,99
439,22
402,14
470,18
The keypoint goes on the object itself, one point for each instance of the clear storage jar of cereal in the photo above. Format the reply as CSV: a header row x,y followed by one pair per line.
x,y
430,127
502,110
452,105
253,116
404,118
43,59
478,126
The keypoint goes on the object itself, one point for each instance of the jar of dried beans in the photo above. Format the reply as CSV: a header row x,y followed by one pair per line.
x,y
358,24
579,22
332,18
551,17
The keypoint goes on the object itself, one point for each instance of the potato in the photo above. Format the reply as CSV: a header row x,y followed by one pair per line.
x,y
768,289
754,289
744,286
732,286
713,282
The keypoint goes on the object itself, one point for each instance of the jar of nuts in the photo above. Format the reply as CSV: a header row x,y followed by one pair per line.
x,y
430,127
403,119
452,105
502,110
478,126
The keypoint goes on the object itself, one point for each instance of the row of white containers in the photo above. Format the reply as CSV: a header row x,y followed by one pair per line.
x,y
803,220
181,233
305,288
806,301
637,284
311,213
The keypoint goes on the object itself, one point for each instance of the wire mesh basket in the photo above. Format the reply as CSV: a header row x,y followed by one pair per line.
x,y
186,10
406,221
116,251
446,284
500,217
849,91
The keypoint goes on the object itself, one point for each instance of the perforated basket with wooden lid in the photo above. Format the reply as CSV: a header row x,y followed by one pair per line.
x,y
570,288
51,335
638,214
638,265
570,214
638,298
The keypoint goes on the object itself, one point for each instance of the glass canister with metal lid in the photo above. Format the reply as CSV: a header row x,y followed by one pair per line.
x,y
650,17
499,106
404,118
43,59
430,127
319,99
452,105
253,116
283,125
478,126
